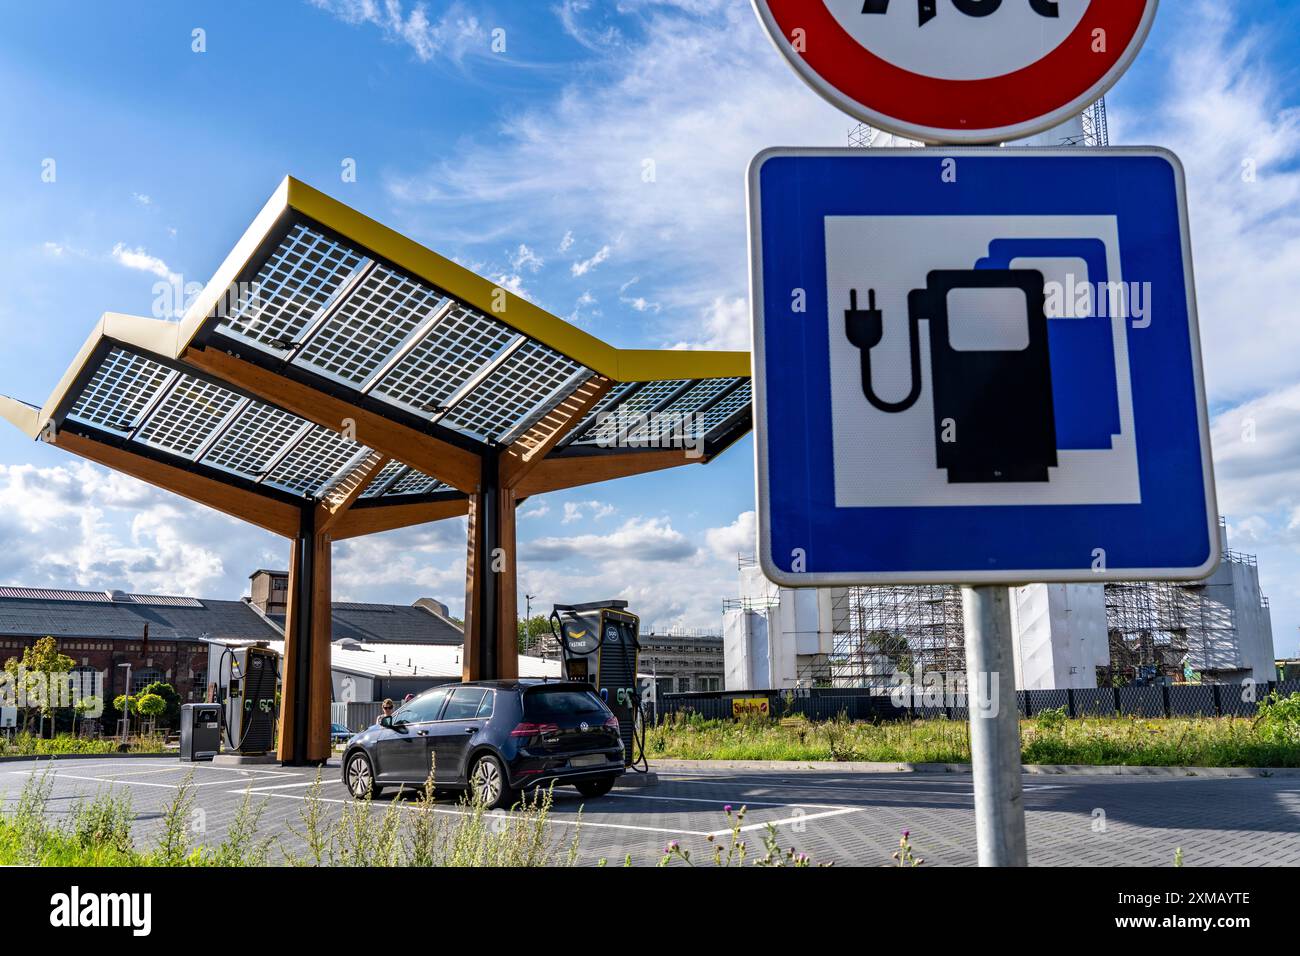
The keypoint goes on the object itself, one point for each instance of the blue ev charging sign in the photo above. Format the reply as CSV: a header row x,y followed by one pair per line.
x,y
977,366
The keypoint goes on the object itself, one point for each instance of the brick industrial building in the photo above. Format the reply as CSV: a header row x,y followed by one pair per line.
x,y
166,638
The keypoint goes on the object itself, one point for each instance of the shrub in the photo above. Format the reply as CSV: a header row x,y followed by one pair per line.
x,y
1278,720
1052,719
150,705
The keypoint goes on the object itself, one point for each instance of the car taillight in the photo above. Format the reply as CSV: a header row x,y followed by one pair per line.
x,y
533,730
612,723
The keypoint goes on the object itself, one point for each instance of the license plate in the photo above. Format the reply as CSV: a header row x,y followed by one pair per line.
x,y
587,760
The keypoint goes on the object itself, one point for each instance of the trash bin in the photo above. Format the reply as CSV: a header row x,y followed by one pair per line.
x,y
200,731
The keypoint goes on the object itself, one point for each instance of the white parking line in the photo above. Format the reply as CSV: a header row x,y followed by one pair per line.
x,y
803,818
135,783
141,773
278,786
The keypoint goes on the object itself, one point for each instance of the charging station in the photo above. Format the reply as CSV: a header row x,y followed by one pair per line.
x,y
248,678
600,645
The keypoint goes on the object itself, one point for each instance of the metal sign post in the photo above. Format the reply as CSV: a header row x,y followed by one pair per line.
x,y
994,726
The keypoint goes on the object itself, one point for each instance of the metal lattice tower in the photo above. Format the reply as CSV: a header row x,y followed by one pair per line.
x,y
1096,129
863,136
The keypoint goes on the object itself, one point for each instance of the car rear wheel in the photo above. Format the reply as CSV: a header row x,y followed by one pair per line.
x,y
488,783
360,777
595,788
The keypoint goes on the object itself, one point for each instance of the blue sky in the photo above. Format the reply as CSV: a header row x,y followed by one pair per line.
x,y
527,165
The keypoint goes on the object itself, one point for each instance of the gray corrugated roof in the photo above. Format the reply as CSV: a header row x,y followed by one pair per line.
x,y
389,624
393,624
36,617
34,612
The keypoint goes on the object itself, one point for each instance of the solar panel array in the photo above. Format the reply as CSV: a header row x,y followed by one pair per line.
x,y
336,312
319,305
141,400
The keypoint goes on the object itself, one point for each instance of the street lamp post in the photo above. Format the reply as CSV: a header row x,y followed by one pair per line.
x,y
126,707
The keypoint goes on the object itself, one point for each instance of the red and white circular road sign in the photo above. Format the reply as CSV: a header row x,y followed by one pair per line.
x,y
960,71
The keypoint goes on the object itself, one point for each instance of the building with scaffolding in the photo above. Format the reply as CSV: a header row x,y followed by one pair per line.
x,y
1067,635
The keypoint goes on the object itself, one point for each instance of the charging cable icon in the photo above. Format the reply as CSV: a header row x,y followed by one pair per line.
x,y
994,418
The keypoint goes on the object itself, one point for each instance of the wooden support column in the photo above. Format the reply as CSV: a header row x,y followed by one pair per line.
x,y
306,684
491,632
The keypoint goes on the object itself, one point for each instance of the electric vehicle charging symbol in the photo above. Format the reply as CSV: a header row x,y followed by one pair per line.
x,y
994,418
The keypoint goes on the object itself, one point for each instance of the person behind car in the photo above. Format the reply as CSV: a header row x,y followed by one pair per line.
x,y
386,708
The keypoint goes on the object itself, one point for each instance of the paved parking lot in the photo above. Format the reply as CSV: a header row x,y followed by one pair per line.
x,y
845,818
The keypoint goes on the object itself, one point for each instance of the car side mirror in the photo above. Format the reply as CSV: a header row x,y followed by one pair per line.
x,y
386,721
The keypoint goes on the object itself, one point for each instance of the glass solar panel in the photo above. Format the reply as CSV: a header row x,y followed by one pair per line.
x,y
723,410
372,322
462,344
253,441
303,274
187,416
626,414
676,417
527,380
314,462
415,483
387,475
120,390
612,398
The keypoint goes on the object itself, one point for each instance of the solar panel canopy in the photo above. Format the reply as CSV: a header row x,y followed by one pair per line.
x,y
318,296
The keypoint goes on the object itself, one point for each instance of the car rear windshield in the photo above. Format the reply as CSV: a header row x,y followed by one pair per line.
x,y
557,702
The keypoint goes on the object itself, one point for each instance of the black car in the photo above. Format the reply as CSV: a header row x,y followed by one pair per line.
x,y
495,738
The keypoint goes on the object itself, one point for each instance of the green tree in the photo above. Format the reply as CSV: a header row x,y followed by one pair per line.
x,y
150,705
172,711
36,680
532,631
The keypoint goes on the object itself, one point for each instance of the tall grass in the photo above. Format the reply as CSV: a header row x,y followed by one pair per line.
x,y
1263,741
29,745
404,832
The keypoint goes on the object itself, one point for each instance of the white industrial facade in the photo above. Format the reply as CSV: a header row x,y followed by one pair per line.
x,y
1219,629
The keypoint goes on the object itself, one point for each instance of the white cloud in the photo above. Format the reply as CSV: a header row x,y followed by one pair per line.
x,y
572,14
140,260
582,267
1222,112
455,35
567,242
581,510
739,537
525,258
646,539
668,577
540,510
142,199
724,325
695,89
82,527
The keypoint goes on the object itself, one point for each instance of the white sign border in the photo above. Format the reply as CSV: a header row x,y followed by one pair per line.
x,y
934,135
1008,576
